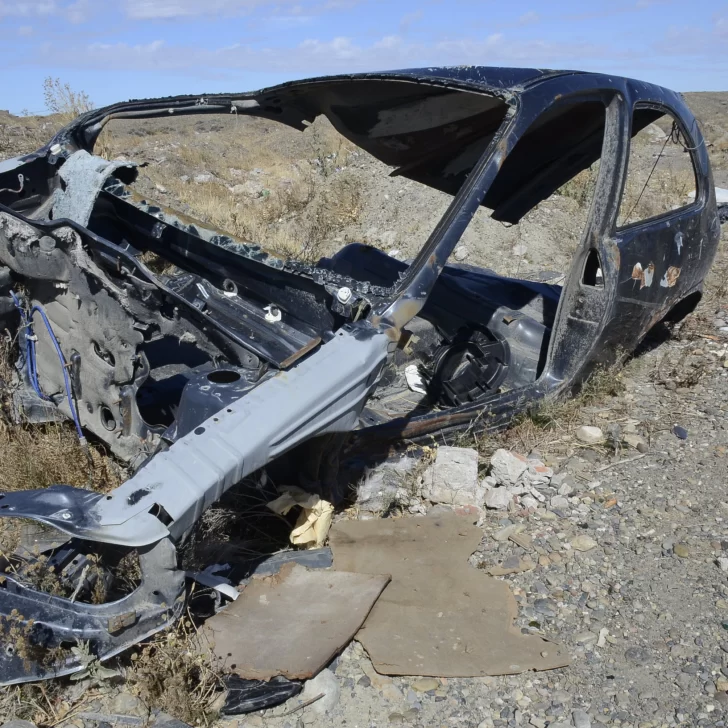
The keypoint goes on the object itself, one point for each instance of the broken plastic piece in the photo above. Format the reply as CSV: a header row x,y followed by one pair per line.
x,y
209,578
246,696
312,526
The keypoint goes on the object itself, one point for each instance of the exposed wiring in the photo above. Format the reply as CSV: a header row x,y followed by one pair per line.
x,y
21,181
31,361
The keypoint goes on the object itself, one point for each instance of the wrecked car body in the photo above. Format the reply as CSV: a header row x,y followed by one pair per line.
x,y
200,376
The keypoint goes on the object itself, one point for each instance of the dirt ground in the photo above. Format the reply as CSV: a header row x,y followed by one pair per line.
x,y
644,613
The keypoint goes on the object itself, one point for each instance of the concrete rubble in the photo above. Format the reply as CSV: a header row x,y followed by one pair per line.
x,y
515,479
453,478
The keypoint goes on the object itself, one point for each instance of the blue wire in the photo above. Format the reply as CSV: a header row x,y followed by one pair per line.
x,y
27,320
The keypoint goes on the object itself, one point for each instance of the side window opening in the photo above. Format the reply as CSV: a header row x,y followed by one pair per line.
x,y
660,171
534,216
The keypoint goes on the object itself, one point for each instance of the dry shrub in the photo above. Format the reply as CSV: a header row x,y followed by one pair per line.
x,y
173,672
61,99
36,456
40,703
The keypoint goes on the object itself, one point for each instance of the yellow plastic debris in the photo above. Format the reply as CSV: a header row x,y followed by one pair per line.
x,y
312,526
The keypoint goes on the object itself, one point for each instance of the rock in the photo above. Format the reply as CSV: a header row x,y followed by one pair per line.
x,y
528,501
248,188
590,435
203,178
505,533
453,478
18,724
425,684
637,655
165,720
379,489
722,562
127,704
461,252
498,498
637,442
681,550
536,474
512,565
580,718
559,501
507,467
721,684
582,542
680,432
325,682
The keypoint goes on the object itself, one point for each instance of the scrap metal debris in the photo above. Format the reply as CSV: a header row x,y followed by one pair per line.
x,y
292,623
439,617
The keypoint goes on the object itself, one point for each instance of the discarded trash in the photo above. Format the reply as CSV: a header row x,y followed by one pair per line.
x,y
414,379
245,696
313,524
449,619
291,623
680,432
209,578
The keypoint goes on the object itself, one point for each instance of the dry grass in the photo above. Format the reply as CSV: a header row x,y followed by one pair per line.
x,y
36,456
173,672
551,419
289,192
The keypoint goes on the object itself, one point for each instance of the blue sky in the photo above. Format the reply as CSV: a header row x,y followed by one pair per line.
x,y
120,49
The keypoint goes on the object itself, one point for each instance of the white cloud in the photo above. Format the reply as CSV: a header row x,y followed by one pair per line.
x,y
27,8
316,56
168,9
76,11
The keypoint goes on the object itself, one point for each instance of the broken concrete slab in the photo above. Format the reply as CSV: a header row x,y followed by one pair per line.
x,y
439,617
507,467
292,623
453,478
